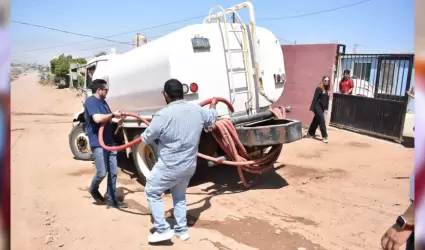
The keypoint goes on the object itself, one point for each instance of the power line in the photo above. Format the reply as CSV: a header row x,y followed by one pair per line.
x,y
24,57
108,45
315,13
91,48
285,40
162,25
119,34
64,31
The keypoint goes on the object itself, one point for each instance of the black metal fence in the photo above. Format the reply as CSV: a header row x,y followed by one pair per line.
x,y
378,101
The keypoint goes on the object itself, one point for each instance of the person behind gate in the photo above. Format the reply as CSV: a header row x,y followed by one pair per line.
x,y
346,85
177,130
319,104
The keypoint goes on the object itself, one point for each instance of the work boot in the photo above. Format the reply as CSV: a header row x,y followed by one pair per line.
x,y
97,196
158,237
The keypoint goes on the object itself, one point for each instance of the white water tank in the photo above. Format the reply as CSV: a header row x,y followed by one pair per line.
x,y
137,77
139,40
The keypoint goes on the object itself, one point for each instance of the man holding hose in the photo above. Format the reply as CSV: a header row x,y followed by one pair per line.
x,y
178,128
96,112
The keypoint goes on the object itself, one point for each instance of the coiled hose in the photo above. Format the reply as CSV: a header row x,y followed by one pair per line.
x,y
226,136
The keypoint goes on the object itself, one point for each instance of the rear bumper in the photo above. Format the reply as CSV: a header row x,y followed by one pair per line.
x,y
269,132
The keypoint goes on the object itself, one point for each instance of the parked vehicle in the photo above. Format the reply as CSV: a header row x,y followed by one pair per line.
x,y
361,88
242,63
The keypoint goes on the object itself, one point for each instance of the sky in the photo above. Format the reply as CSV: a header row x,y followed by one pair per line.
x,y
376,26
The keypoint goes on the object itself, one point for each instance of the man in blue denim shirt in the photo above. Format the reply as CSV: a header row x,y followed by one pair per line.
x,y
96,112
178,128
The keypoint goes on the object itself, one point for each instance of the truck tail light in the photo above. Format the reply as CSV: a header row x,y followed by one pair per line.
x,y
278,78
194,87
185,88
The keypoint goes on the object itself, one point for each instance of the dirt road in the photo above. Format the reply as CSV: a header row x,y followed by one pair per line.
x,y
342,195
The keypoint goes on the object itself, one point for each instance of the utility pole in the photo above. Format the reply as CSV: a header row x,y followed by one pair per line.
x,y
355,49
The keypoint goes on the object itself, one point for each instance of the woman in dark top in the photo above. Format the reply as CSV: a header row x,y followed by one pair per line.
x,y
319,104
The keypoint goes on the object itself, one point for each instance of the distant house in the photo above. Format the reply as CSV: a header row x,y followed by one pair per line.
x,y
392,77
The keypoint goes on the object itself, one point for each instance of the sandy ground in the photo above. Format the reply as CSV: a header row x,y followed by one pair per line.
x,y
343,195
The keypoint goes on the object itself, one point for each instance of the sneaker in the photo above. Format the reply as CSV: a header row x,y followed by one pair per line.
x,y
325,140
182,235
116,205
158,237
97,196
308,136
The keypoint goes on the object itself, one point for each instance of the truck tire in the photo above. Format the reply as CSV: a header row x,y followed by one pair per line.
x,y
144,157
79,143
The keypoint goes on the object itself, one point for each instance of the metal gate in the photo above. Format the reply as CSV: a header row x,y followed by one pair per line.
x,y
379,101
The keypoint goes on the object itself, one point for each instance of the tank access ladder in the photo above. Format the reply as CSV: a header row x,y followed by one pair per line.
x,y
246,53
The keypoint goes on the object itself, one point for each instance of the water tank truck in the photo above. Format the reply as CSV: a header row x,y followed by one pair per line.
x,y
241,63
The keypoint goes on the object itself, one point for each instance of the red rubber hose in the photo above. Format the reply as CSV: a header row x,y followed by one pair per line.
x,y
226,136
147,122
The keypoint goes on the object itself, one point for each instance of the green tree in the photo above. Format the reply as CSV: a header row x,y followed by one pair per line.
x,y
60,66
80,80
53,64
80,60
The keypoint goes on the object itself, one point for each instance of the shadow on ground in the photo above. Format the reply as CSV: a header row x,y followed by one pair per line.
x,y
225,181
408,142
215,181
223,178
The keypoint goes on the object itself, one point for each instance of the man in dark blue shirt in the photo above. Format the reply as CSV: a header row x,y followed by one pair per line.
x,y
96,112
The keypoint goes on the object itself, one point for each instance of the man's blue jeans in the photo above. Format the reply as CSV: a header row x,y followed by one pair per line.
x,y
106,162
157,183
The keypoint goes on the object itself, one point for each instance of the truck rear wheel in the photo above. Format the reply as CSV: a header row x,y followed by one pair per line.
x,y
144,157
79,143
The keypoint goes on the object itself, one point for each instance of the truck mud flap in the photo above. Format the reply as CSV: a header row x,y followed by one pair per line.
x,y
269,132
